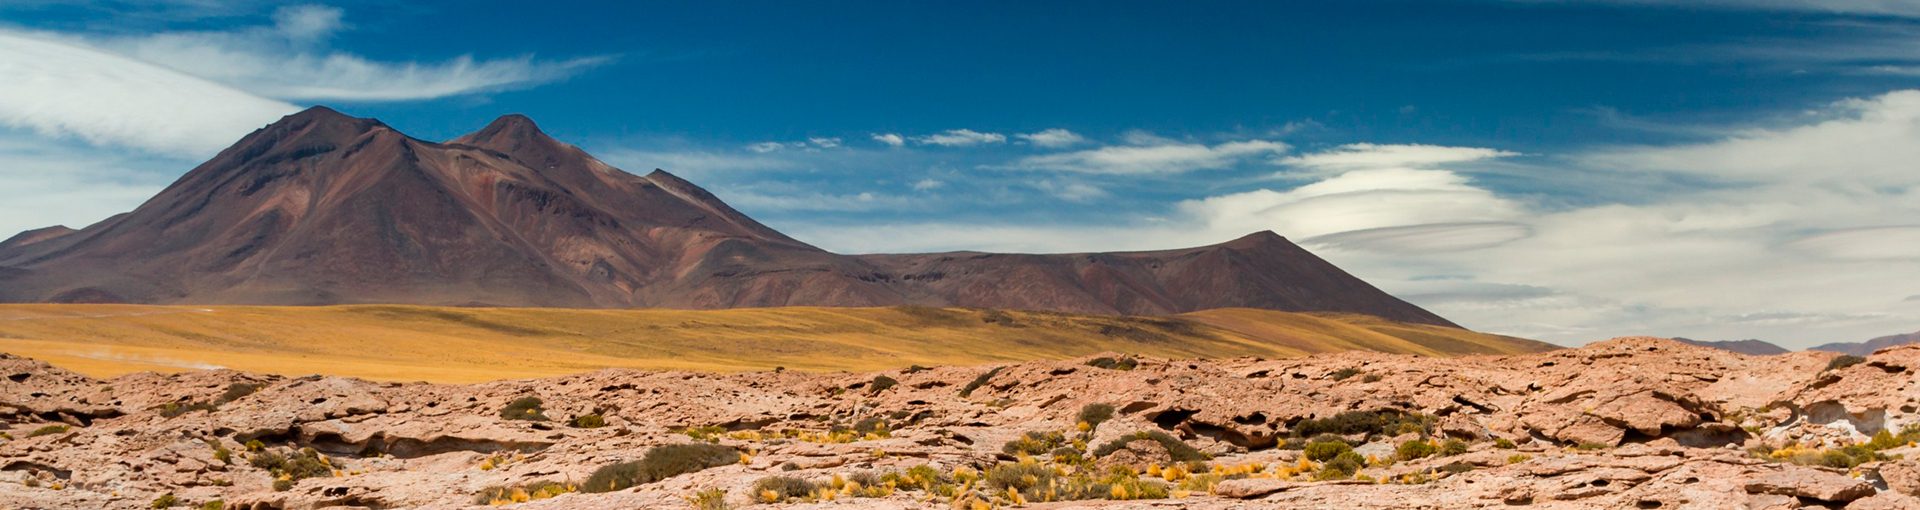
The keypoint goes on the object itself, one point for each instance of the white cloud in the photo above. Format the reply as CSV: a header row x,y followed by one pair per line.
x,y
766,147
64,90
1053,138
1164,158
289,60
892,139
928,184
1367,155
1072,191
824,143
960,138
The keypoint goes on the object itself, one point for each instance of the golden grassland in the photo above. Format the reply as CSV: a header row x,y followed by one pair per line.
x,y
444,344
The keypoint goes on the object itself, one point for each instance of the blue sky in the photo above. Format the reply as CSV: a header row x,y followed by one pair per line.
x,y
1561,170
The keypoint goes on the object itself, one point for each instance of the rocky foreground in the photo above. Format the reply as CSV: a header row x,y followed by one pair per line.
x,y
1627,423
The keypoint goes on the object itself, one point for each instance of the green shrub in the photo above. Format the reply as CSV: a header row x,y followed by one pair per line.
x,y
1591,446
1453,447
979,381
48,430
1844,361
660,462
1504,444
1123,363
1341,467
282,485
1034,443
524,408
881,383
1180,451
164,501
1457,467
1095,414
1344,373
298,465
213,505
588,421
254,445
709,499
774,489
530,491
236,391
1029,479
1415,449
1364,422
872,425
174,409
1325,451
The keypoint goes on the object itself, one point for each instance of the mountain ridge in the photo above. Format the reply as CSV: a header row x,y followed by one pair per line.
x,y
324,208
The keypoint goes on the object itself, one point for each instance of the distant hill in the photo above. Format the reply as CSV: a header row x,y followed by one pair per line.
x,y
1752,347
1867,347
322,208
395,342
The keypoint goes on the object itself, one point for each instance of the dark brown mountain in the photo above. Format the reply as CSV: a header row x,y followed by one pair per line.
x,y
323,208
1749,347
1867,347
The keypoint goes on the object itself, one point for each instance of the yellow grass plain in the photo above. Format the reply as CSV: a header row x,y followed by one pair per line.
x,y
457,345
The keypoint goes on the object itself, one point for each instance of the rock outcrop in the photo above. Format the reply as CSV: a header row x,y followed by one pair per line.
x,y
1626,423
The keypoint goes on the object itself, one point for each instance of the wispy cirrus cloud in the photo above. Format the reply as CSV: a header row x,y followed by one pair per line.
x,y
1160,157
960,138
290,59
1052,138
64,90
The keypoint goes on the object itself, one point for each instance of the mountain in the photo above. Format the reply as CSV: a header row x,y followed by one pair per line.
x,y
1750,347
324,208
1867,347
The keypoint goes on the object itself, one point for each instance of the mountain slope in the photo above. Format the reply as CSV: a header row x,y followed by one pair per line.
x,y
474,344
322,208
1867,347
1749,347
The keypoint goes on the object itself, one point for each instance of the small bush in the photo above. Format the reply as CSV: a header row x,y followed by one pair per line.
x,y
1123,363
1365,422
1518,458
1415,449
979,381
1325,451
1341,467
214,505
873,425
174,409
282,485
588,421
1095,414
710,499
537,490
1371,378
1591,446
1028,479
49,430
524,408
1345,373
236,391
660,463
301,464
881,383
1504,444
775,489
1453,447
1457,467
1180,451
1034,443
254,445
1844,361
164,501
